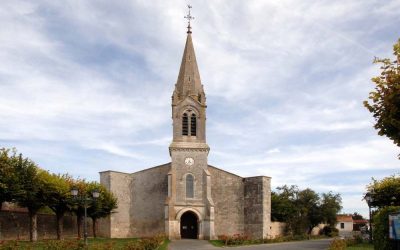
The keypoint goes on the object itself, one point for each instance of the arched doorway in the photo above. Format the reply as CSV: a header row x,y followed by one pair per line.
x,y
189,225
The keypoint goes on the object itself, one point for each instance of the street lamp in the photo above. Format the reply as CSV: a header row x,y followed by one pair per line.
x,y
368,198
84,199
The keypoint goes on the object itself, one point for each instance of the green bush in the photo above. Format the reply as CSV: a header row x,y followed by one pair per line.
x,y
151,243
330,231
9,245
236,240
381,228
338,244
63,244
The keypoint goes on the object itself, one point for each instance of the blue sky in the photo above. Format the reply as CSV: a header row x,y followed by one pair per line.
x,y
85,86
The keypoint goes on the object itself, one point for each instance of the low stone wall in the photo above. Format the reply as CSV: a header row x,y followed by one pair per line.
x,y
15,225
277,229
318,229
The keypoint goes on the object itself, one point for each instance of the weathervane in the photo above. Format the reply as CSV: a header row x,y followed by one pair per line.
x,y
189,17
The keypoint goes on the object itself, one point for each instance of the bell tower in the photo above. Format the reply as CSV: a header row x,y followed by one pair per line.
x,y
189,181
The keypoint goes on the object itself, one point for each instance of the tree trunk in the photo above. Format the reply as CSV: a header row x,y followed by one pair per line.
x,y
94,225
33,225
60,225
1,205
79,220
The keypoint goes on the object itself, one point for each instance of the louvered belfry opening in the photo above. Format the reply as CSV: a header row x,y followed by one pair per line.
x,y
193,125
189,129
185,125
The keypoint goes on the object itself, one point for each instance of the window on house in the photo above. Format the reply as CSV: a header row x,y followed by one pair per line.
x,y
341,225
193,125
189,186
185,125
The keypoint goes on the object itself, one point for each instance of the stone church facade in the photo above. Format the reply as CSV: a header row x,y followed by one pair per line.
x,y
188,198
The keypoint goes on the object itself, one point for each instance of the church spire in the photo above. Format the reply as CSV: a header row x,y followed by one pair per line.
x,y
189,83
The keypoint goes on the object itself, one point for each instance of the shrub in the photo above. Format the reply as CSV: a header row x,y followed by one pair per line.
x,y
237,239
150,243
63,244
133,245
337,244
9,245
330,231
380,231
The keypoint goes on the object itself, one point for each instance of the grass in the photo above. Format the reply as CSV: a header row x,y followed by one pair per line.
x,y
164,246
221,243
217,243
93,243
363,246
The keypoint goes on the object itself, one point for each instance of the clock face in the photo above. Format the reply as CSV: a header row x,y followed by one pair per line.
x,y
189,161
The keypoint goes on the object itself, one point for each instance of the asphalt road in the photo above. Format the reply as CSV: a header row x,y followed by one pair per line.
x,y
298,245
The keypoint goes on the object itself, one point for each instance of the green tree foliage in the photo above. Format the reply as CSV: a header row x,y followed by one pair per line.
x,y
385,105
58,197
78,204
23,182
283,203
330,207
385,192
102,206
8,177
357,216
381,228
32,192
303,209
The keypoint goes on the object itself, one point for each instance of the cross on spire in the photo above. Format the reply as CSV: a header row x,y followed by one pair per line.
x,y
189,17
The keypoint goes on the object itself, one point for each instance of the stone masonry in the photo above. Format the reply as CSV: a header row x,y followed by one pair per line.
x,y
188,198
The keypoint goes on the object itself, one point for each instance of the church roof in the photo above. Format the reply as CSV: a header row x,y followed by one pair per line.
x,y
188,83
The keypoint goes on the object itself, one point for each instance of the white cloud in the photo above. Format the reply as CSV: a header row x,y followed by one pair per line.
x,y
88,84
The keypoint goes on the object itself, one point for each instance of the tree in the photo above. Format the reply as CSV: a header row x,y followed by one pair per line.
x,y
58,197
385,105
357,216
302,210
102,206
32,193
309,210
78,205
330,207
283,207
381,228
385,192
8,177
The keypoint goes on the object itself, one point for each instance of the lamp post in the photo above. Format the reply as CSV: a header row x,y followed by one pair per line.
x,y
368,199
84,199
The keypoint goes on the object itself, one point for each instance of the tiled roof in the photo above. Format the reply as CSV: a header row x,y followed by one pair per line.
x,y
344,218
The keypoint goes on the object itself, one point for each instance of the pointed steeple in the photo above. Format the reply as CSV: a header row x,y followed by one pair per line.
x,y
188,83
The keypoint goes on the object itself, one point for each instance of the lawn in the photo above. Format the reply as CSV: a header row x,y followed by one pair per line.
x,y
364,246
94,244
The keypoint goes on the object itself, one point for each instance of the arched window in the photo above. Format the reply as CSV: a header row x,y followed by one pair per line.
x,y
189,186
185,125
193,125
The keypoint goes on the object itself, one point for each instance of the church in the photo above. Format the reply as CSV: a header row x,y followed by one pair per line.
x,y
187,197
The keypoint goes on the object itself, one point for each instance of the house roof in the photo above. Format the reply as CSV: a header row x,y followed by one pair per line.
x,y
344,218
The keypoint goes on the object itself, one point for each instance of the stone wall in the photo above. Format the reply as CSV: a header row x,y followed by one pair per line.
x,y
277,229
118,224
257,206
148,194
15,225
227,194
